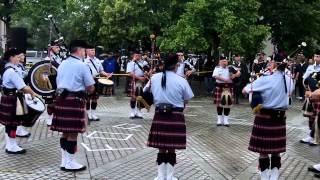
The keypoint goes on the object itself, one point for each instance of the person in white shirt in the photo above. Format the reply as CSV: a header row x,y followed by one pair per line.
x,y
96,69
185,69
223,95
171,93
135,69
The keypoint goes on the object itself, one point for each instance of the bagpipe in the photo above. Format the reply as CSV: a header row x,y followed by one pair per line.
x,y
311,83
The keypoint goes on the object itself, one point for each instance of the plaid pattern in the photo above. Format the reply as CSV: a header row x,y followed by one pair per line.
x,y
218,93
132,87
268,133
168,131
8,111
316,105
70,115
30,119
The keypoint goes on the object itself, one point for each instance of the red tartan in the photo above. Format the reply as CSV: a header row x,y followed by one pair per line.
x,y
132,88
8,111
268,134
168,131
218,93
70,115
316,105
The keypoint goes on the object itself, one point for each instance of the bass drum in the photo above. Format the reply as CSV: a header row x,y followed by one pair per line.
x,y
42,78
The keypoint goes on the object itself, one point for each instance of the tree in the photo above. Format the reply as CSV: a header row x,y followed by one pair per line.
x,y
292,22
209,24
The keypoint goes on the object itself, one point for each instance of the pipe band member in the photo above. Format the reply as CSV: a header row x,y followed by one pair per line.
x,y
223,95
138,78
96,69
269,128
185,69
310,87
21,130
56,60
70,118
168,130
13,85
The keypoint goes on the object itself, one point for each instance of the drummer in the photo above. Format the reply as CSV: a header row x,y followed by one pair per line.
x,y
136,73
21,130
96,69
11,82
54,57
73,80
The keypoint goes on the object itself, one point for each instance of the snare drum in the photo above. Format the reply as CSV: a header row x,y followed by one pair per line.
x,y
35,108
104,87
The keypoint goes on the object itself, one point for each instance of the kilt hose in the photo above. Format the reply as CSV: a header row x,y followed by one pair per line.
x,y
269,132
8,111
70,115
168,131
219,90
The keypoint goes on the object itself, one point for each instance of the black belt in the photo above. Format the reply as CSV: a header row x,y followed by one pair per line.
x,y
272,111
78,94
9,92
224,85
176,109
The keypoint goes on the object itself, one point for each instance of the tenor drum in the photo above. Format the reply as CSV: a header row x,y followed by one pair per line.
x,y
35,108
104,87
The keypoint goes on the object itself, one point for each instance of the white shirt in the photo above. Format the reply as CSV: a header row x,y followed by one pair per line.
x,y
95,65
182,65
74,75
22,71
311,69
177,89
11,78
272,90
222,72
132,67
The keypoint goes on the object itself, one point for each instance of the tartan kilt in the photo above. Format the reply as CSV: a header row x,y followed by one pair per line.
x,y
268,133
8,111
218,93
168,131
316,105
70,115
132,87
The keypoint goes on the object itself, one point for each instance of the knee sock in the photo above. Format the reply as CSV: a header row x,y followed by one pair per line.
x,y
264,163
11,131
94,105
133,104
161,158
171,158
275,162
63,142
226,111
219,110
71,147
88,105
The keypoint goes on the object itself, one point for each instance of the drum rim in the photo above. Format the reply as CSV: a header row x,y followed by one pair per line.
x,y
111,82
40,101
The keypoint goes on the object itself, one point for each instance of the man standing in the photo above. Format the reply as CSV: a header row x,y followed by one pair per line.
x,y
95,69
239,82
185,69
137,80
73,81
259,64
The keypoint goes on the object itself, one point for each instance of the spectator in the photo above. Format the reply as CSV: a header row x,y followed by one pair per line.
x,y
110,66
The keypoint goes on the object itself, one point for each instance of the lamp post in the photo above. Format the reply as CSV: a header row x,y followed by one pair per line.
x,y
153,40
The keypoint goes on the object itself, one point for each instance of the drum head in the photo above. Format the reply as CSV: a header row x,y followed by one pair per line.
x,y
42,78
105,82
35,104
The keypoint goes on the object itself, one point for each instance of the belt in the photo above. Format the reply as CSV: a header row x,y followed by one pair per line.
x,y
176,109
9,92
272,111
79,94
225,85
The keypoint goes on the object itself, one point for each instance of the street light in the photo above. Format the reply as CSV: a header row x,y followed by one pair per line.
x,y
153,39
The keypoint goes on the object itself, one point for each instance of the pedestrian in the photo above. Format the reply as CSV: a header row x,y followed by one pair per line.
x,y
73,81
171,93
269,128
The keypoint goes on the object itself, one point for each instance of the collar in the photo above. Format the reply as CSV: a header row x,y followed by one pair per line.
x,y
75,57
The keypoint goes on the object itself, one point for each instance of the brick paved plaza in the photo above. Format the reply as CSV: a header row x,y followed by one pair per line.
x,y
115,147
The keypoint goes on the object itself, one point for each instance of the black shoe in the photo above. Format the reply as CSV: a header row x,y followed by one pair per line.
x,y
138,117
227,125
313,144
95,119
75,170
317,175
62,168
304,142
312,169
219,124
25,136
17,152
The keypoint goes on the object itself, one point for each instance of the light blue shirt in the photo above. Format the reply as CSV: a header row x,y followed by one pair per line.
x,y
182,65
74,75
95,65
132,67
272,90
311,69
11,78
222,72
22,71
177,89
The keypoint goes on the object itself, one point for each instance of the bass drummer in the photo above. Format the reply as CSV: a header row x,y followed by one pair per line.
x,y
96,69
12,83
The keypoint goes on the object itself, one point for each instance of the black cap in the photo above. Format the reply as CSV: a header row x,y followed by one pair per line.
x,y
278,58
317,52
9,53
223,57
77,44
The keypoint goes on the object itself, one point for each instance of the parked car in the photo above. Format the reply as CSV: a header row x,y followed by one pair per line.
x,y
33,57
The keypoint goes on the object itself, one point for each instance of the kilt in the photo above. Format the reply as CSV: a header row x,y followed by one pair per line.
x,y
316,105
168,131
269,132
8,111
70,115
132,87
218,93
